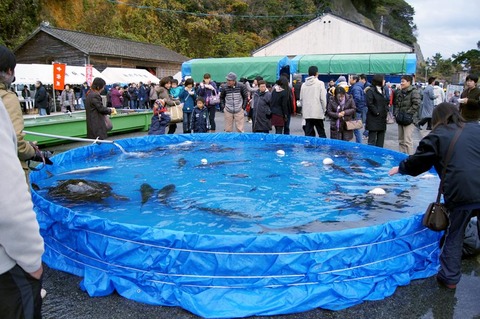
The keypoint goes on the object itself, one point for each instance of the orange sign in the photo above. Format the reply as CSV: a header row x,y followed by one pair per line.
x,y
59,75
89,74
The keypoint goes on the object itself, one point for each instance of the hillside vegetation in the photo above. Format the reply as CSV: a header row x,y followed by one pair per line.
x,y
197,28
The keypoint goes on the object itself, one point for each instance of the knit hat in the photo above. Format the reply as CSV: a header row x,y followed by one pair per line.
x,y
341,79
160,102
231,76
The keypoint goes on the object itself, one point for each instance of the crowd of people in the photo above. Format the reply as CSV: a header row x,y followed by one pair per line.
x,y
267,107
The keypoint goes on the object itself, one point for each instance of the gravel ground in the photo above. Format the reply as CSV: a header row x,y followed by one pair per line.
x,y
421,299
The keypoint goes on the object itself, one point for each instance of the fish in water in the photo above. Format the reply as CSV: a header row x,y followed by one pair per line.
x,y
356,168
181,162
237,175
372,162
341,169
219,163
87,170
310,227
147,192
82,190
165,193
226,212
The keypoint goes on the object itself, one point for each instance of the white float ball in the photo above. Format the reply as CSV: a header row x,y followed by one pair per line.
x,y
281,153
377,191
327,161
204,161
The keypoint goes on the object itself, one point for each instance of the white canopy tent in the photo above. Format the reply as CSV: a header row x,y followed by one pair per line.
x,y
126,75
31,73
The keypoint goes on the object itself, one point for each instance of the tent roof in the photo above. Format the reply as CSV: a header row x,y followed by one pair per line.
x,y
126,75
31,73
387,63
245,67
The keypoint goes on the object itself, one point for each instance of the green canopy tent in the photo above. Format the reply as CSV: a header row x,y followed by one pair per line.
x,y
269,68
386,63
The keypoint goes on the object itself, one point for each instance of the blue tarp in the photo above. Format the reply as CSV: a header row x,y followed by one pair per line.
x,y
224,276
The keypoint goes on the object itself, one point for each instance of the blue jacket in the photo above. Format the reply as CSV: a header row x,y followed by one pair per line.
x,y
142,93
188,100
159,123
358,95
200,122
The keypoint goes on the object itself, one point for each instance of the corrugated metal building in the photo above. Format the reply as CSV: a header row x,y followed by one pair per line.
x,y
331,34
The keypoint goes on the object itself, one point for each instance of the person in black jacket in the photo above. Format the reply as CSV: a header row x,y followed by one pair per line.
x,y
461,185
200,120
41,98
279,104
377,104
261,109
95,111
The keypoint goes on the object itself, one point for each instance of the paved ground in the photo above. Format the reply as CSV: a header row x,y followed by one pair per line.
x,y
421,299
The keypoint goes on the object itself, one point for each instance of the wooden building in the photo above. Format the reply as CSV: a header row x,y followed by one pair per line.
x,y
47,44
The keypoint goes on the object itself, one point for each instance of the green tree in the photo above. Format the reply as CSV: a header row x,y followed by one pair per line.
x,y
470,59
19,18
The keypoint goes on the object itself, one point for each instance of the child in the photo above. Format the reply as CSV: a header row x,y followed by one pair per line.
x,y
175,90
160,118
200,122
187,97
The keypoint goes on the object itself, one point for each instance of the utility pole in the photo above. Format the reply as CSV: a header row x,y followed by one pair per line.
x,y
381,24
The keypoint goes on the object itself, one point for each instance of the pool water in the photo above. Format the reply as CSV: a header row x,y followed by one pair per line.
x,y
246,188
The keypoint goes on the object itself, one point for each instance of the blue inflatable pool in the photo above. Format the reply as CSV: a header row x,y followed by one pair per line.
x,y
234,225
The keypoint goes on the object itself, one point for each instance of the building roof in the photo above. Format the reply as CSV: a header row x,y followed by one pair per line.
x,y
322,17
105,46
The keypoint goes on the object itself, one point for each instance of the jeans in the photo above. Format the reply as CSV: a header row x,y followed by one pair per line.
x,y
133,104
42,112
451,256
363,116
187,122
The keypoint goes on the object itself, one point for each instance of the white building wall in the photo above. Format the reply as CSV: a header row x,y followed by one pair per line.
x,y
332,35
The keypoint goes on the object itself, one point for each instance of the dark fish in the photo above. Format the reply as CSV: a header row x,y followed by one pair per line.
x,y
181,162
356,168
341,169
311,227
253,189
147,191
165,193
237,175
219,163
82,190
226,212
273,175
372,162
35,187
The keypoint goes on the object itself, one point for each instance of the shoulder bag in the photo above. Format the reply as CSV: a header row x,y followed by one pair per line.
x,y
108,122
176,113
214,99
353,125
437,217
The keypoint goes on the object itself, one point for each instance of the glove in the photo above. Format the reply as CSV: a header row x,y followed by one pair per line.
x,y
41,156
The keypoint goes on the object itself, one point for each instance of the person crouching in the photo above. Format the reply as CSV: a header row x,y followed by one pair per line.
x,y
199,121
160,118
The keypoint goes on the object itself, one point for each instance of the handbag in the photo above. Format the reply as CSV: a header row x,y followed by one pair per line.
x,y
108,122
390,118
436,216
213,99
403,118
353,125
176,113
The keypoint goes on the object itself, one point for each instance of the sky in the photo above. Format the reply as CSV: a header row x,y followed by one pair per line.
x,y
446,26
